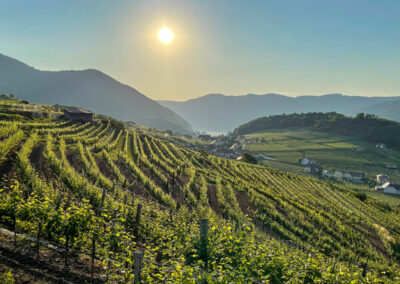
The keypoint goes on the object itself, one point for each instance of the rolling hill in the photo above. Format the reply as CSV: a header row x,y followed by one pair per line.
x,y
389,109
224,113
369,127
99,196
90,89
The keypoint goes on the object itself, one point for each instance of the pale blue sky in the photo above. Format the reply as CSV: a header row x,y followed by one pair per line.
x,y
232,47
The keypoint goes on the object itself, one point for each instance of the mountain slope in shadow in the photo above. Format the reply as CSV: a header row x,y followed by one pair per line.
x,y
89,89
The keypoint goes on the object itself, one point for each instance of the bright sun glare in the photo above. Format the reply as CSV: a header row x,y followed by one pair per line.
x,y
165,35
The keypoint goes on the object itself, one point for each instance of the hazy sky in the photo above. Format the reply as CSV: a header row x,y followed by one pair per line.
x,y
232,47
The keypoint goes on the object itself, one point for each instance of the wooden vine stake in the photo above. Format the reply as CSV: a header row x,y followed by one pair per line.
x,y
138,259
103,197
203,224
138,213
365,269
15,228
93,256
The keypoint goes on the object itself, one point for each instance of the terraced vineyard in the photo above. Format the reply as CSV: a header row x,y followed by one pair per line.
x,y
102,192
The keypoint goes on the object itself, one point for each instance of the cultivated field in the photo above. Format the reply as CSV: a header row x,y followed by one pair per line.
x,y
330,151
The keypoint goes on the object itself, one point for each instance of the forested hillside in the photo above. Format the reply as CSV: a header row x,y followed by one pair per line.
x,y
369,127
100,194
91,89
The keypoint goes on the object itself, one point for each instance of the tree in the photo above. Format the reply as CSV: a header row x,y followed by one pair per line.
x,y
248,158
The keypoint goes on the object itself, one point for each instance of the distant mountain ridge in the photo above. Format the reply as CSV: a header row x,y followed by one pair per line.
x,y
217,112
89,89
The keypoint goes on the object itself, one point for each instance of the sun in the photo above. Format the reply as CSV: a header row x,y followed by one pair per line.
x,y
165,35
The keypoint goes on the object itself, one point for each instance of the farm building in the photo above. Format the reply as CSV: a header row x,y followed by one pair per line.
x,y
349,175
389,188
216,143
381,146
306,161
327,174
381,179
235,147
77,114
311,168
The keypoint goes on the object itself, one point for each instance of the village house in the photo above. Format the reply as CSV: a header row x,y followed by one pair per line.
x,y
381,146
327,174
352,176
311,168
215,143
389,188
235,147
381,179
306,162
77,114
310,165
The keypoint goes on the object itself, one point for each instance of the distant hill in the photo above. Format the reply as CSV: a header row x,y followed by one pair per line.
x,y
90,89
369,127
216,112
389,109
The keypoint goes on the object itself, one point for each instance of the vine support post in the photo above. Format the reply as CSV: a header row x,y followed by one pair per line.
x,y
38,240
66,252
103,197
138,215
203,224
15,229
365,269
138,259
93,256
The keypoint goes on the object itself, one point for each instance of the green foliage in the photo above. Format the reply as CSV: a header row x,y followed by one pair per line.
x,y
7,277
248,158
265,225
362,196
